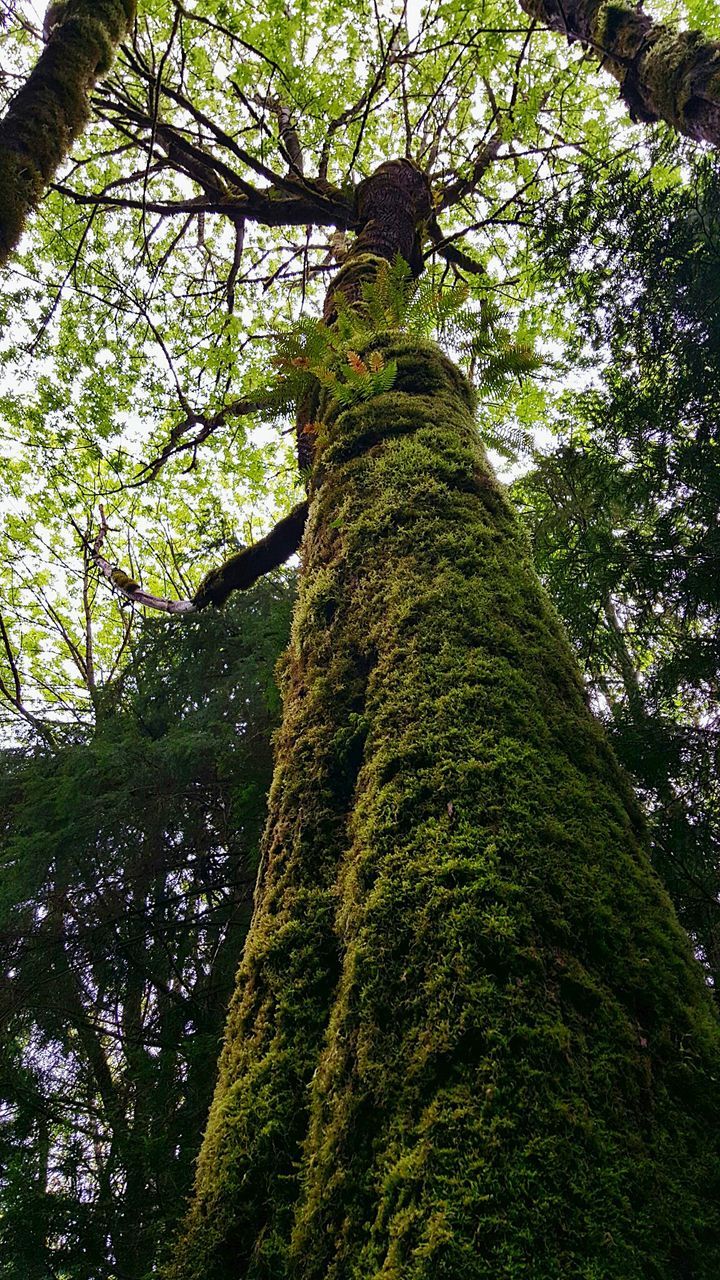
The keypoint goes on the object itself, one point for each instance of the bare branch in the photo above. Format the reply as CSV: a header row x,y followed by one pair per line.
x,y
457,257
329,208
236,574
237,259
207,423
126,586
287,134
455,191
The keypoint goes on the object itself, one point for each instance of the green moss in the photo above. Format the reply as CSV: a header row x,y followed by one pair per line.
x,y
469,1040
52,107
124,581
664,74
616,29
358,268
679,67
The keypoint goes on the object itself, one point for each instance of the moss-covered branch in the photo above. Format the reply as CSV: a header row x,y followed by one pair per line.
x,y
238,573
52,107
243,569
125,585
664,74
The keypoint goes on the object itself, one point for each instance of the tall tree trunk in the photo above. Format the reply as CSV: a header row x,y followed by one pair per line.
x,y
664,74
51,109
469,1038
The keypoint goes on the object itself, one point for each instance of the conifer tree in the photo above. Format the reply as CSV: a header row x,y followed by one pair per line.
x,y
127,860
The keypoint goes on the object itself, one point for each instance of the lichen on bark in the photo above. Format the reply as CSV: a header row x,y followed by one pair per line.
x,y
663,73
52,107
469,1039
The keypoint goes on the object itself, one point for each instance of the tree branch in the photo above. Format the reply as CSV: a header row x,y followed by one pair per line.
x,y
242,570
208,424
663,73
451,253
322,209
455,191
52,107
236,574
126,586
14,695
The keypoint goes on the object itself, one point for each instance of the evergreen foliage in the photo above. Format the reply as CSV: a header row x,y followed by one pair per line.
x,y
391,301
624,512
128,861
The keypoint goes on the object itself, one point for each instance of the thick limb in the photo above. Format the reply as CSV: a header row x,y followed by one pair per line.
x,y
243,569
664,74
52,107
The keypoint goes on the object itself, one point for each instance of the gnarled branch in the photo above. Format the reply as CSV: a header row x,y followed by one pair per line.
x,y
208,423
125,585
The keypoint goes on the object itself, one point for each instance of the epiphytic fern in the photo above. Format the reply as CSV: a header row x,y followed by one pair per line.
x,y
394,302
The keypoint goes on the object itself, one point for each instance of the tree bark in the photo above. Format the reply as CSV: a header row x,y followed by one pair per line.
x,y
664,74
469,1039
52,107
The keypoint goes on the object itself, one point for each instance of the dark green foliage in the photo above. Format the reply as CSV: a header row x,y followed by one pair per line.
x,y
52,107
128,862
469,1038
624,513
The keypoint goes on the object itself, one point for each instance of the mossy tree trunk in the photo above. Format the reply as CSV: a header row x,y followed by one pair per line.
x,y
469,1039
52,107
664,74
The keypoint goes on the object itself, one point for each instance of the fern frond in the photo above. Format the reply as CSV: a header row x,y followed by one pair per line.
x,y
394,301
507,439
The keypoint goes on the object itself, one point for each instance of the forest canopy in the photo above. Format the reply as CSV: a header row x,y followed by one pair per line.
x,y
140,334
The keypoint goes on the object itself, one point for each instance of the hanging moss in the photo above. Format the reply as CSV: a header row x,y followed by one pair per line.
x,y
52,107
469,1040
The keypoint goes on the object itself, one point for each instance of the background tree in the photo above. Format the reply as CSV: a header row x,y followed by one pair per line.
x,y
128,858
582,980
48,111
664,73
624,510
